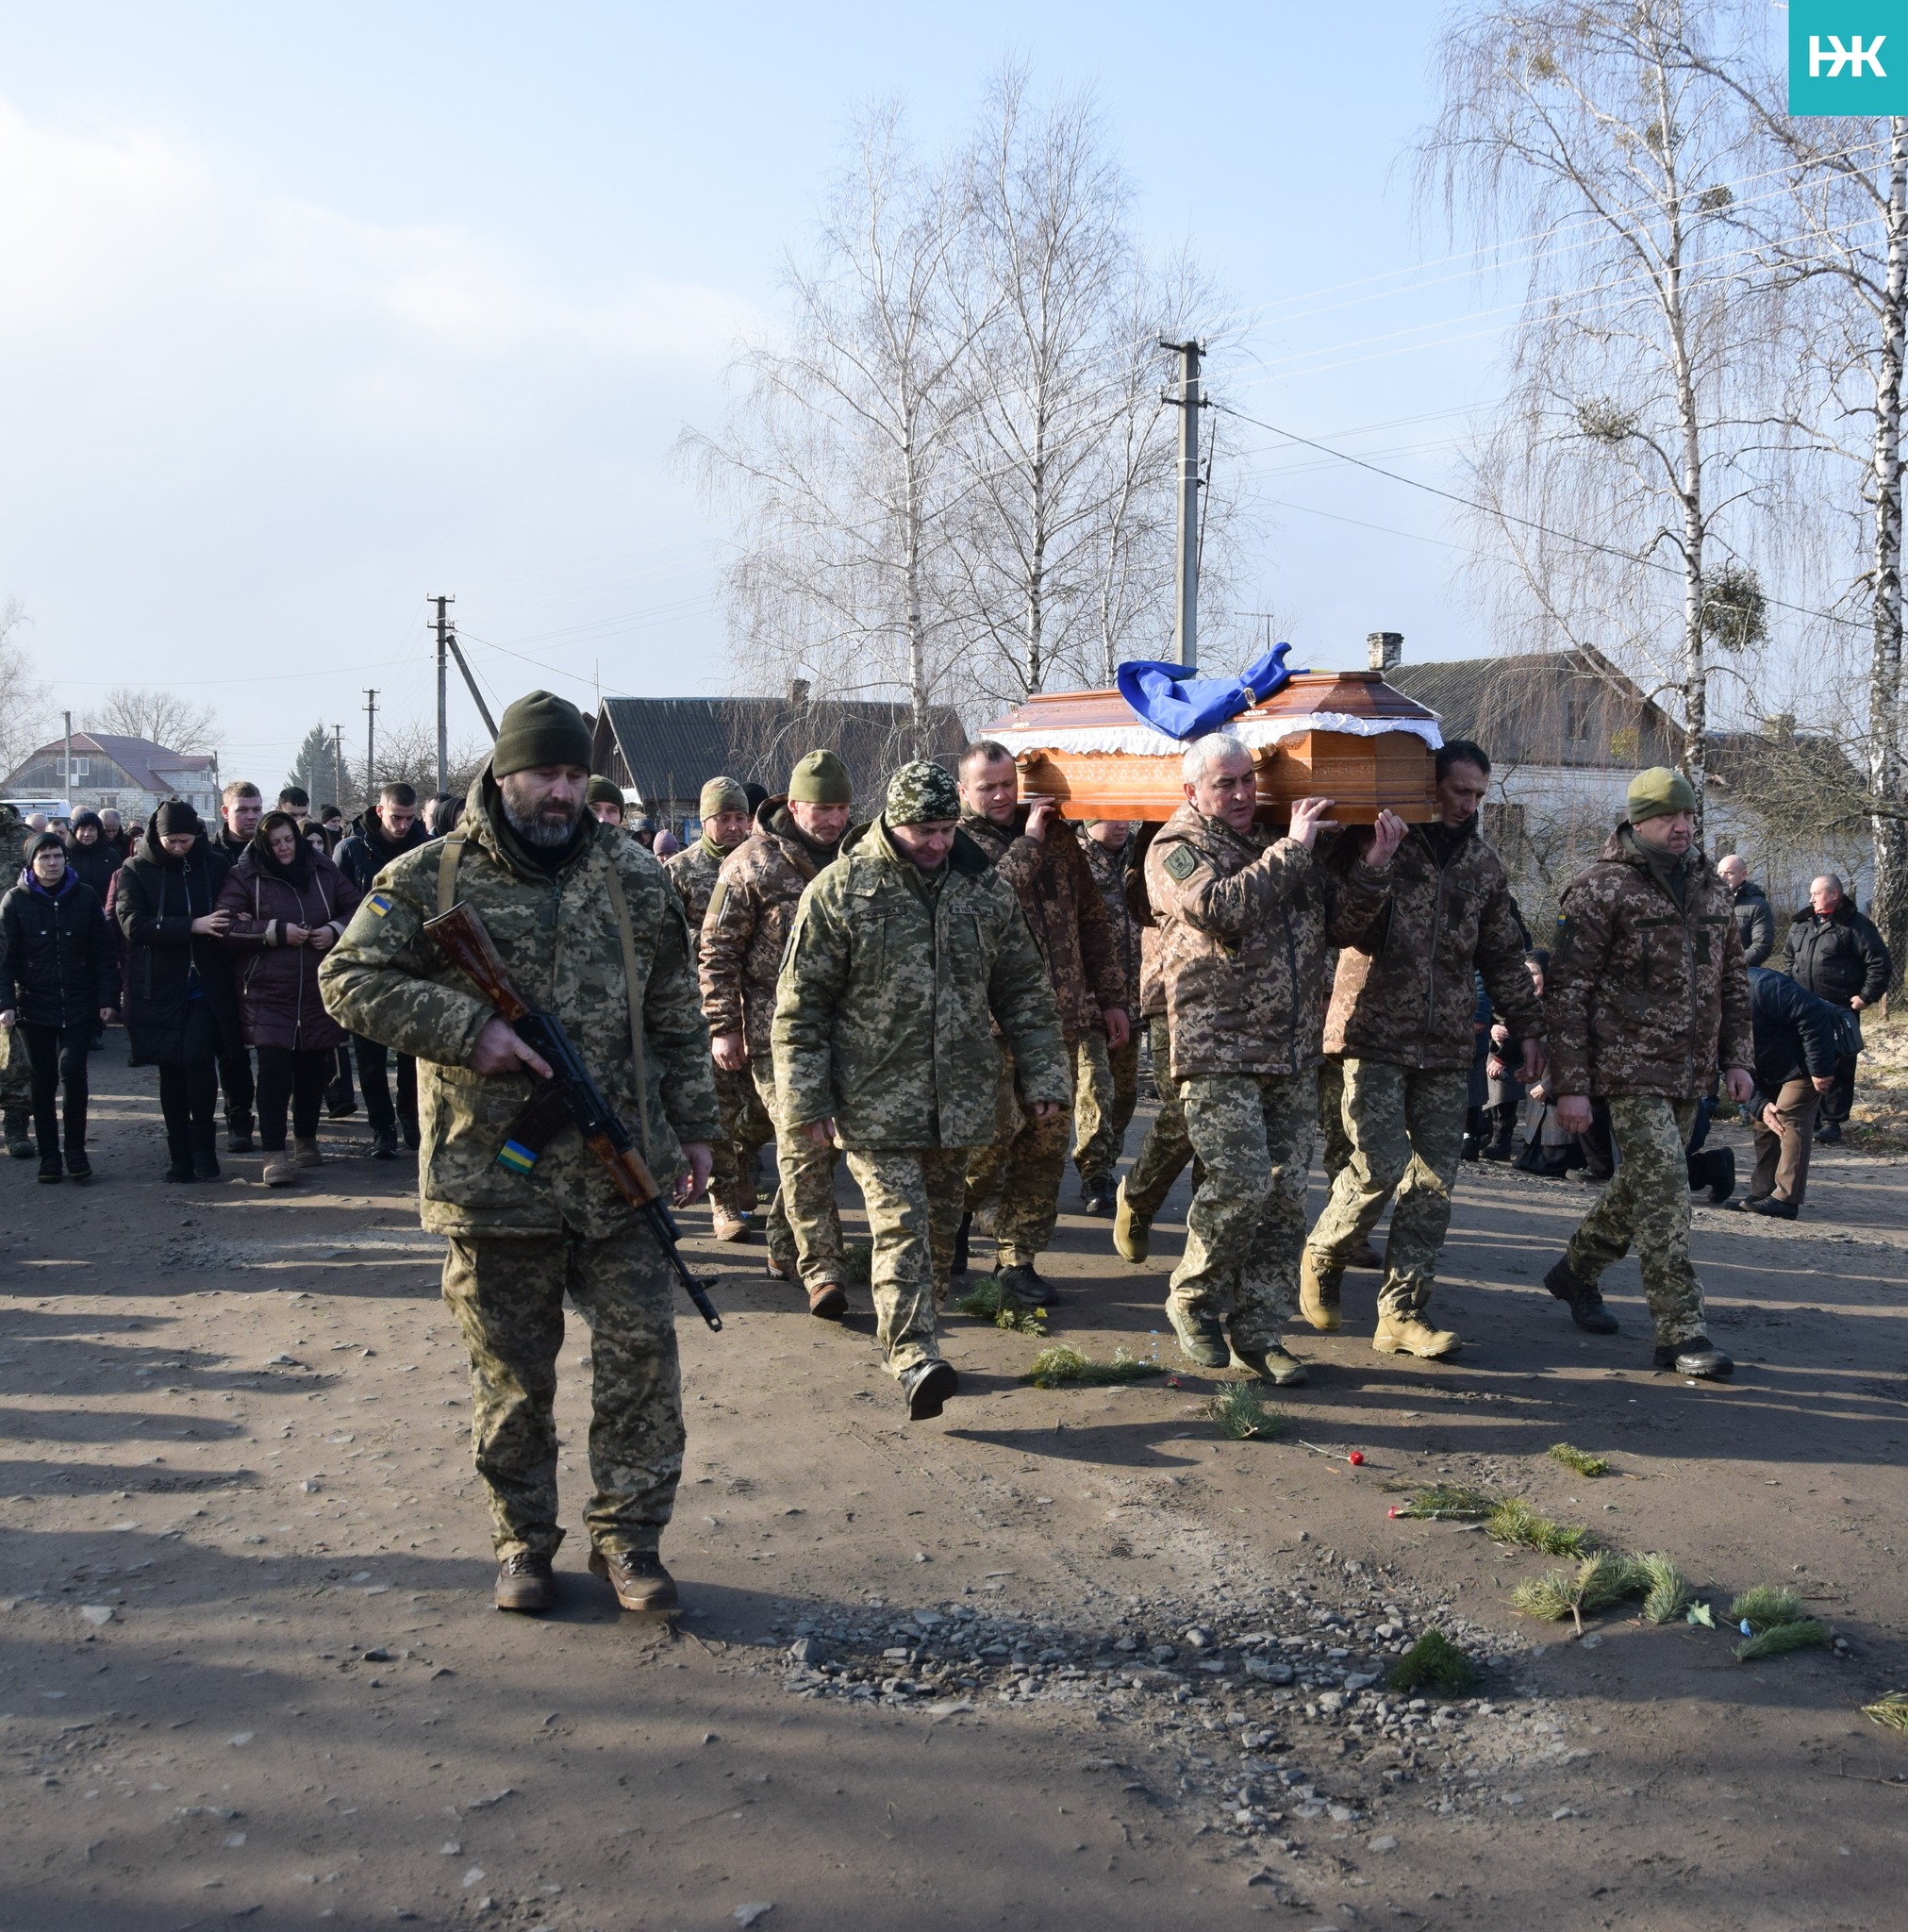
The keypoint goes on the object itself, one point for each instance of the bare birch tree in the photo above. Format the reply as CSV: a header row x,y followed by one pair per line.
x,y
162,716
836,453
22,696
1625,470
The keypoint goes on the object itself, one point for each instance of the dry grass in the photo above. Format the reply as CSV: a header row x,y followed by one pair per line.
x,y
1879,1120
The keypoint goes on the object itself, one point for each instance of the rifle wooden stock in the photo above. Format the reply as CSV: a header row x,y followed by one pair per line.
x,y
460,935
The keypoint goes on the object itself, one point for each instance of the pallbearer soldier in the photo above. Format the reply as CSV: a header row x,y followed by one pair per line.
x,y
905,957
571,908
1245,919
1647,993
1400,1025
744,933
1107,1088
1018,1176
746,1128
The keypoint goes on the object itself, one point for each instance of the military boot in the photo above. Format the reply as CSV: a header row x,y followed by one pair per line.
x,y
1275,1363
638,1578
1132,1230
1586,1301
1096,1196
1023,1286
1698,1357
19,1130
728,1227
1713,1169
927,1386
1201,1338
1319,1282
1410,1334
828,1300
525,1582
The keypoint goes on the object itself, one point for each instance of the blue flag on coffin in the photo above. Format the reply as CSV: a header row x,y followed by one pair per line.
x,y
1162,696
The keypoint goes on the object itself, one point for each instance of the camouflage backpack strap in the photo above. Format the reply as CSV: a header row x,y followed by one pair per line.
x,y
448,854
621,902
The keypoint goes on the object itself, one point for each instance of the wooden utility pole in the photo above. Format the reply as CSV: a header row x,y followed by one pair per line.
x,y
337,762
443,724
369,748
1189,401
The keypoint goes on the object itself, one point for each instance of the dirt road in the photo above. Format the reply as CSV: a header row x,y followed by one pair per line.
x,y
1065,1658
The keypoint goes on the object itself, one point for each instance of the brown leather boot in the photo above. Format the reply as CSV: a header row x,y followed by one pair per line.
x,y
829,1300
638,1577
526,1582
1319,1282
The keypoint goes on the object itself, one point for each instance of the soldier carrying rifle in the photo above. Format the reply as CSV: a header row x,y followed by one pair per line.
x,y
590,935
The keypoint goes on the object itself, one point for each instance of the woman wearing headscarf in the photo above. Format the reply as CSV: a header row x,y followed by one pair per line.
x,y
288,905
181,1010
56,985
95,859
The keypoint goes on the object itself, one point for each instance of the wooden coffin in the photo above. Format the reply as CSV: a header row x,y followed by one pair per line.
x,y
1087,750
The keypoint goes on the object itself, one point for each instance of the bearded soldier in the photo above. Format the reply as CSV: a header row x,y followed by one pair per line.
x,y
905,957
744,933
1400,1025
1647,995
746,1127
1018,1176
570,907
1245,919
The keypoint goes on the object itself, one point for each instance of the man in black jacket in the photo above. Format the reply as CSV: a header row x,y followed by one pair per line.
x,y
390,829
1836,953
240,807
1755,919
1798,1047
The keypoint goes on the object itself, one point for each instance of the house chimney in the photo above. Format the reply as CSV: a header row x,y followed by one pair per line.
x,y
798,692
1385,650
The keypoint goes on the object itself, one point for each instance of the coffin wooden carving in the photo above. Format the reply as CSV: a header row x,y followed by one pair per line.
x,y
1343,735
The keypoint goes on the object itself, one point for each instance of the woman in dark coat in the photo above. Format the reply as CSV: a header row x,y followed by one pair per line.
x,y
56,983
181,1008
288,905
95,859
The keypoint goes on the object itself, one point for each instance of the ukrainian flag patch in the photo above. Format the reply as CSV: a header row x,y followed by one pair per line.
x,y
517,1157
379,902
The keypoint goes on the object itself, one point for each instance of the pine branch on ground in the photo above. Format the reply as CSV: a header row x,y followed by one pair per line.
x,y
1597,1582
983,1302
1063,1365
1765,1607
1515,1523
1890,1713
1667,1594
1241,1413
1433,1663
1804,1634
1449,1503
1579,1459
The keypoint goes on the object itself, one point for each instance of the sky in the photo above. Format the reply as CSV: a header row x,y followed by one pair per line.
x,y
308,314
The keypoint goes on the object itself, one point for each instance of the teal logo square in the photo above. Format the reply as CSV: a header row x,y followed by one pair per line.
x,y
1849,56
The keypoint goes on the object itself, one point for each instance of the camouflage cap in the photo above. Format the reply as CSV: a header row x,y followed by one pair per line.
x,y
721,795
921,792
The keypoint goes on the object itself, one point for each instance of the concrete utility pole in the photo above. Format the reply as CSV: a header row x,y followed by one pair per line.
x,y
1189,401
369,748
477,696
337,762
443,726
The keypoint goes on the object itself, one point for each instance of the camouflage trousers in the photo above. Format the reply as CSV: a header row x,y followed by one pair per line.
x,y
508,1296
914,1204
1016,1178
16,1076
1105,1092
1246,1228
1336,1141
803,1225
1166,1150
1647,1203
1404,1127
746,1129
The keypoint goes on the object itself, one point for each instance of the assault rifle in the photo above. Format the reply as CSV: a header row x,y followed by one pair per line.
x,y
572,1097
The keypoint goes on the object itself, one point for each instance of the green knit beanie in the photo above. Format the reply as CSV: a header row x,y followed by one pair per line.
x,y
603,792
1657,793
920,794
720,795
820,778
541,729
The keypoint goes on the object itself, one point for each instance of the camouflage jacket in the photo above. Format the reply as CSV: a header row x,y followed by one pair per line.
x,y
746,928
1112,873
891,993
558,941
1644,995
693,872
1403,991
1064,910
1245,923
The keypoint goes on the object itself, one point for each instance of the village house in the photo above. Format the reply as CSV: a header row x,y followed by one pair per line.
x,y
110,773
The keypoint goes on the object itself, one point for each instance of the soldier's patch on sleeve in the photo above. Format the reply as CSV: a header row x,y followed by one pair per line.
x,y
1565,932
380,903
1181,863
716,900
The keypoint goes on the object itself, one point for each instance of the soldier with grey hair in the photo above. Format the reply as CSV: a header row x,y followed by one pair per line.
x,y
907,954
1245,918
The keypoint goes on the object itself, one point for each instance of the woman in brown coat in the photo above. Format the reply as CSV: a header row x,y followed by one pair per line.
x,y
287,904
